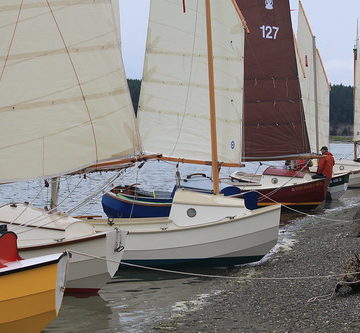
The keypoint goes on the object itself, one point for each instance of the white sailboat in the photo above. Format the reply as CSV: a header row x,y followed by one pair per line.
x,y
64,106
315,92
346,165
190,110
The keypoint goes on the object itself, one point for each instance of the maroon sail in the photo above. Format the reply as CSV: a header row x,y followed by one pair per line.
x,y
274,121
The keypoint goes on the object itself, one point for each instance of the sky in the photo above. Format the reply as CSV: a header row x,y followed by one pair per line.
x,y
333,22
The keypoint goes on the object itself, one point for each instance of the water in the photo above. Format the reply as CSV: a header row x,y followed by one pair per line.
x,y
137,298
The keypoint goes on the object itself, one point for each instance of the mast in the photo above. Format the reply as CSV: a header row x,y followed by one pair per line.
x,y
316,96
55,185
215,169
355,92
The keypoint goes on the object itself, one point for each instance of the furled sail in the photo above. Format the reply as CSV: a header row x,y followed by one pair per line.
x,y
315,88
64,99
174,116
356,136
274,121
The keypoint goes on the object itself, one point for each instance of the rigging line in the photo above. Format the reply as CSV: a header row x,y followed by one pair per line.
x,y
309,215
38,218
24,210
189,80
280,187
69,194
133,202
41,217
77,78
95,194
12,40
290,278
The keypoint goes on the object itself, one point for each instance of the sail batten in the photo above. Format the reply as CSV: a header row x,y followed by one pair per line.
x,y
274,121
64,99
174,100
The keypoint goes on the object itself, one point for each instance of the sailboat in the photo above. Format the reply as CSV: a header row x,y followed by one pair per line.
x,y
189,111
315,90
346,165
65,107
274,122
31,290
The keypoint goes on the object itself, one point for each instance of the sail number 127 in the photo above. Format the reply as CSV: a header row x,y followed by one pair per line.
x,y
269,32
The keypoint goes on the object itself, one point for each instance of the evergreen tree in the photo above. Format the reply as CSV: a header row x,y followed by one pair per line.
x,y
341,110
341,106
134,87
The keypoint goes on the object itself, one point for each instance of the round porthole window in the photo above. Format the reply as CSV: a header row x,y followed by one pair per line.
x,y
191,212
341,167
274,180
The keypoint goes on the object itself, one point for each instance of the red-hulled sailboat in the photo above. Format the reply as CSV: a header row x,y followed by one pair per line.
x,y
274,121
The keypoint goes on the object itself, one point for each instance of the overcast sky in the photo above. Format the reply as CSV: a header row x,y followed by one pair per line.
x,y
333,22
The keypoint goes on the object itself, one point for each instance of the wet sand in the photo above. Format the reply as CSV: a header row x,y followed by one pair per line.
x,y
285,302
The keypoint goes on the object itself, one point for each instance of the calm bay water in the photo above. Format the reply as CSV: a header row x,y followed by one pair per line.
x,y
136,298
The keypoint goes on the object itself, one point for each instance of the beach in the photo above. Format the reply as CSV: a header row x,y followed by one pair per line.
x,y
293,291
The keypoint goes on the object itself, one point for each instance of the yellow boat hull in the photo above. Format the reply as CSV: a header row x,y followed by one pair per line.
x,y
29,298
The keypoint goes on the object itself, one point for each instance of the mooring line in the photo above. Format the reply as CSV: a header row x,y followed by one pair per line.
x,y
214,276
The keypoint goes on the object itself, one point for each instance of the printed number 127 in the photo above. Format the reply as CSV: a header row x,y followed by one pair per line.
x,y
269,32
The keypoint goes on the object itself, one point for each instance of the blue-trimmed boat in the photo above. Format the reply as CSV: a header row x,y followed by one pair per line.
x,y
132,201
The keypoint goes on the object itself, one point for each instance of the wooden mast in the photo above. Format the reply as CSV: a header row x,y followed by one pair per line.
x,y
214,153
355,80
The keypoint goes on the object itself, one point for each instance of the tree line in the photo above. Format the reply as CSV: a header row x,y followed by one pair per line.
x,y
341,107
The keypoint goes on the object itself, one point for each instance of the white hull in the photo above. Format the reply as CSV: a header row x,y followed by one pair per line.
x,y
242,236
268,182
86,274
351,166
338,185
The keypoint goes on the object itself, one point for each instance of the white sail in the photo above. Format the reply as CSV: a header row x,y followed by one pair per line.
x,y
323,102
174,101
64,99
314,85
356,136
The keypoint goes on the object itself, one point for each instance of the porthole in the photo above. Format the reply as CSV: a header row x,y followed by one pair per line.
x,y
274,180
191,212
341,167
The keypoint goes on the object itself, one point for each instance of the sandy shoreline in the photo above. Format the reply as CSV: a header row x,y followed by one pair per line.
x,y
322,247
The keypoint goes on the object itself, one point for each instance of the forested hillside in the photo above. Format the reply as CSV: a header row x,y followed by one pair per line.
x,y
341,110
341,106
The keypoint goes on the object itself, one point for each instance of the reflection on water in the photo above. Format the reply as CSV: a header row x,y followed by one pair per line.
x,y
90,314
133,298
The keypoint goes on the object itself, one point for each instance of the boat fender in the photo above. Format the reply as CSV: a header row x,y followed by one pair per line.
x,y
251,199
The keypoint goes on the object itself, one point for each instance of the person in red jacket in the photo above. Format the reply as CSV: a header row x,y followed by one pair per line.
x,y
325,165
